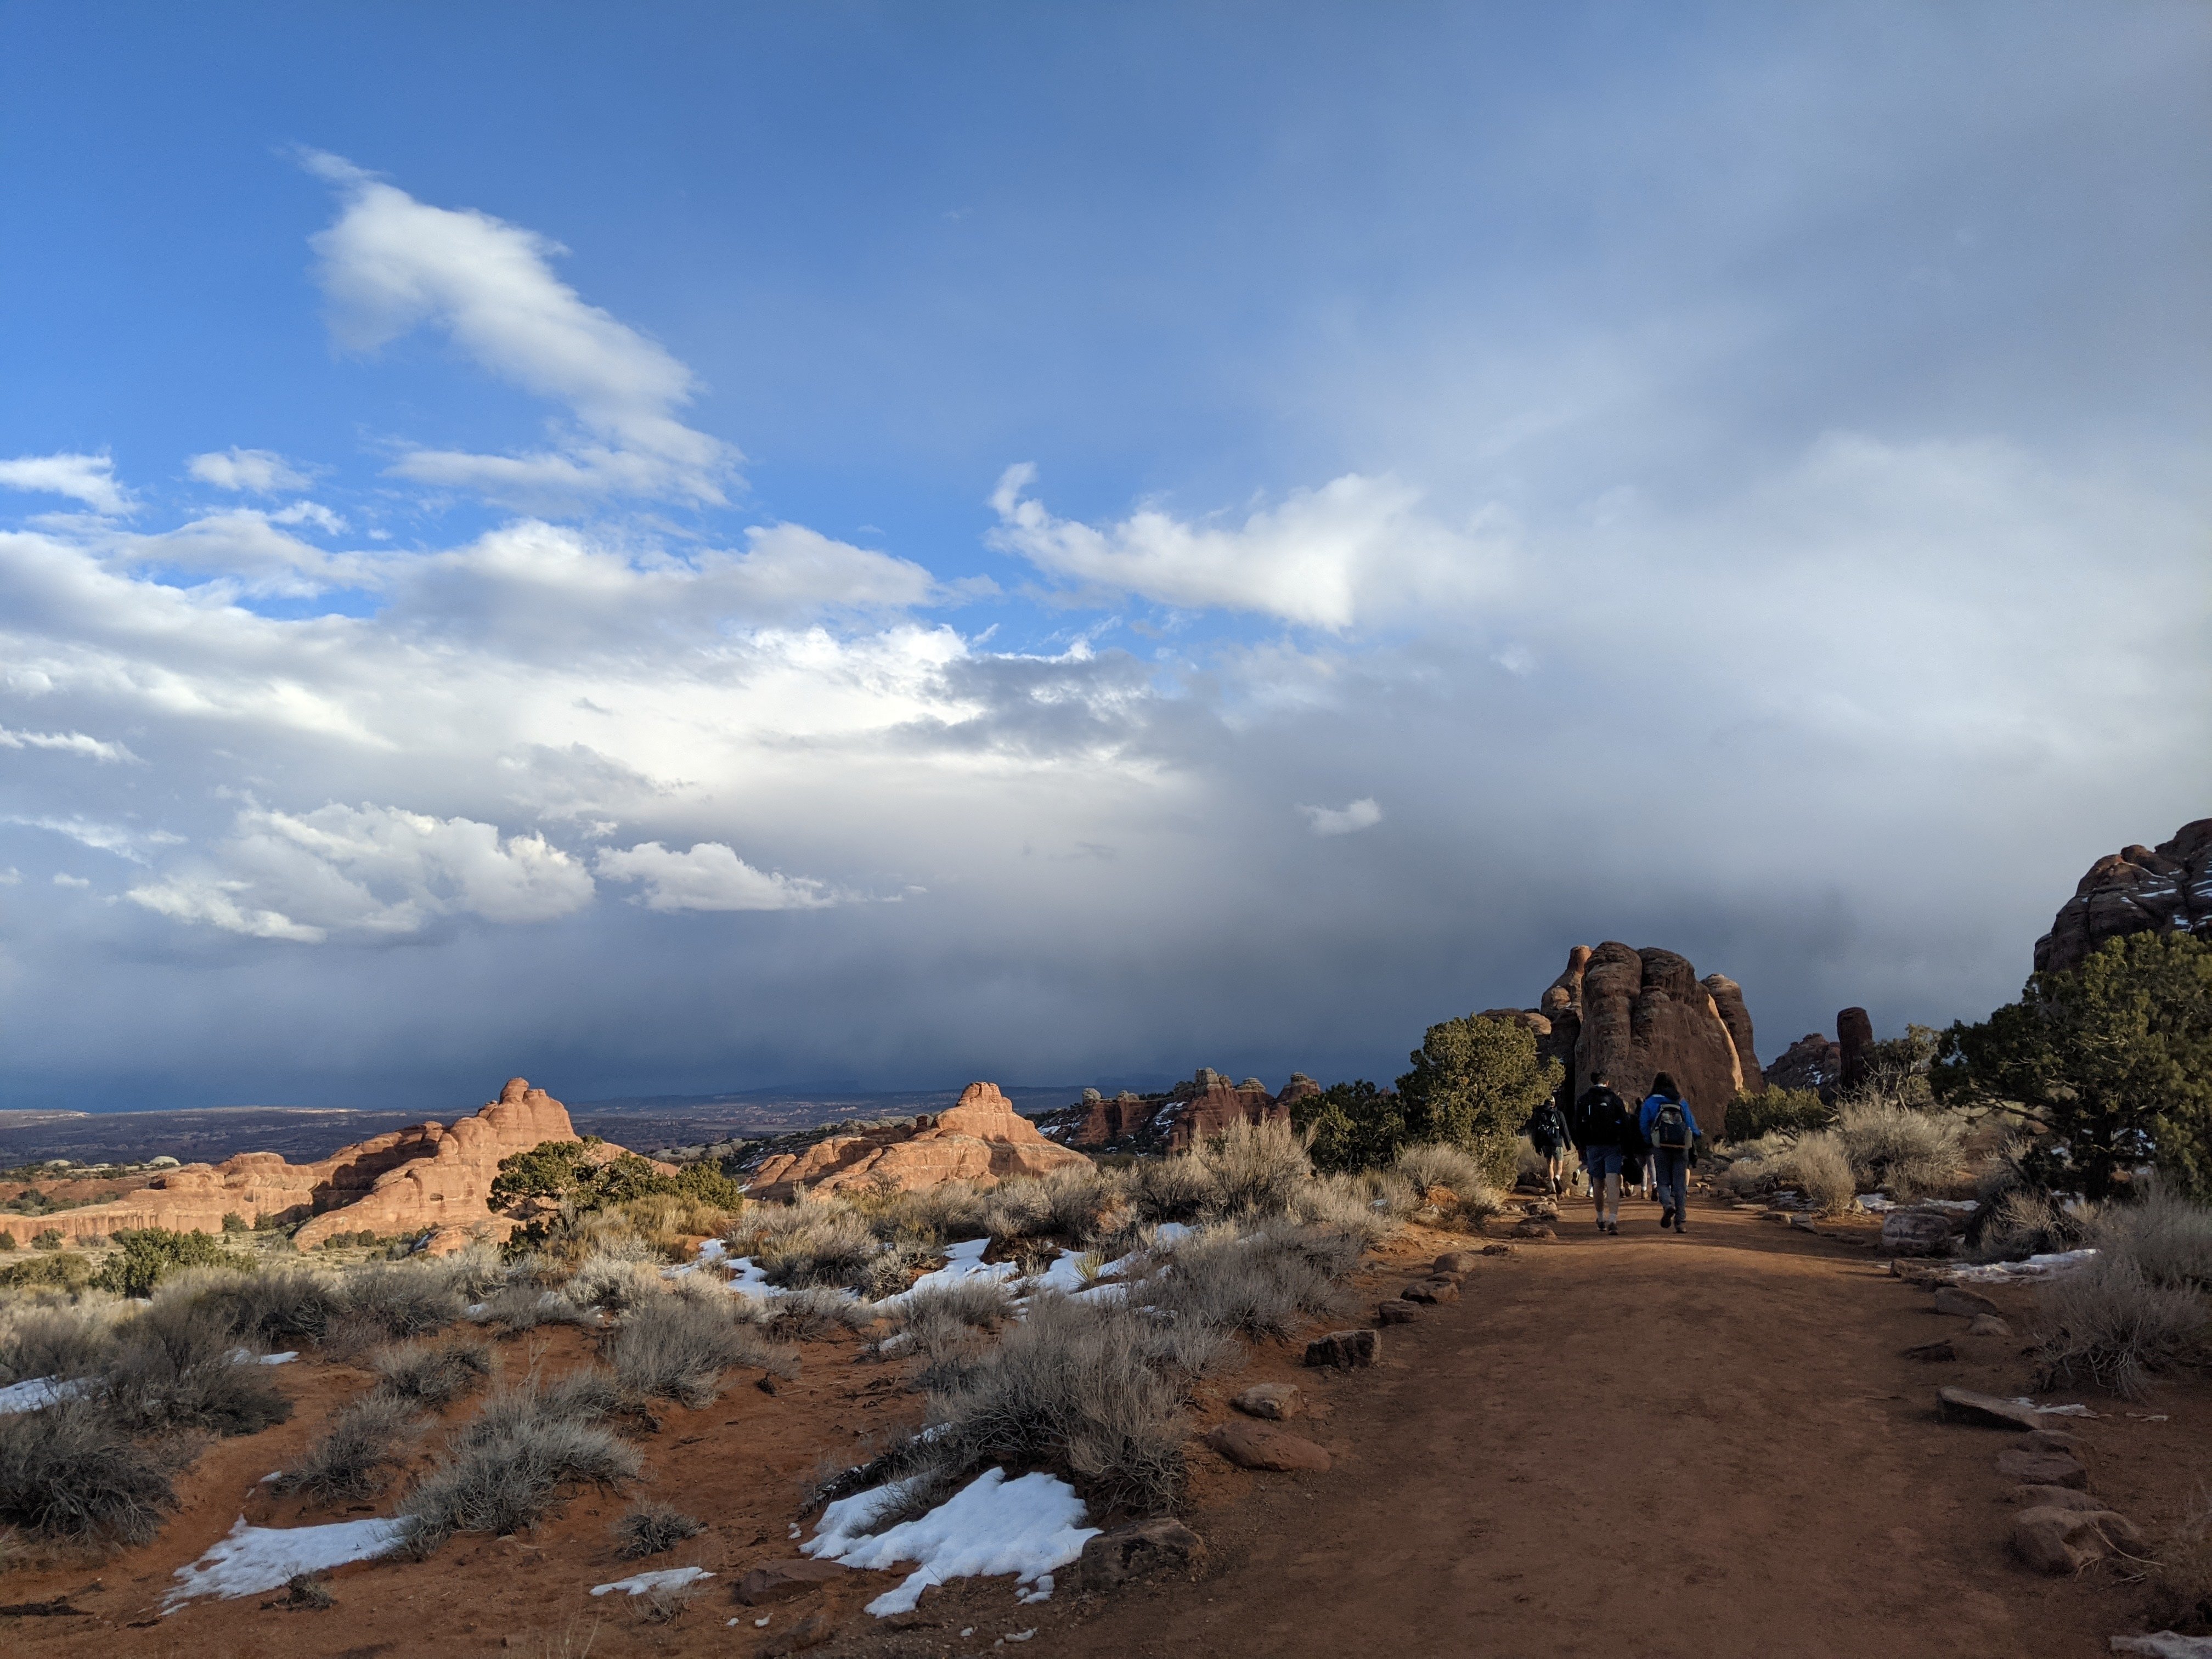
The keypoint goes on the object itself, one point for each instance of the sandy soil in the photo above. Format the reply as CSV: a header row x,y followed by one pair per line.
x,y
1647,1445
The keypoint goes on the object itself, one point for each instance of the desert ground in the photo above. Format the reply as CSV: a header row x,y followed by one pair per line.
x,y
1710,1444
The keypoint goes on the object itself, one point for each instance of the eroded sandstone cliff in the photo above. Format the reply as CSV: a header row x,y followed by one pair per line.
x,y
982,1140
2137,890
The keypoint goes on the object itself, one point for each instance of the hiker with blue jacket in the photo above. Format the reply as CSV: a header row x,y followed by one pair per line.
x,y
1671,1132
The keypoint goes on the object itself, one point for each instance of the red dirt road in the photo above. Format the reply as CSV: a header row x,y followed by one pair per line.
x,y
1706,1445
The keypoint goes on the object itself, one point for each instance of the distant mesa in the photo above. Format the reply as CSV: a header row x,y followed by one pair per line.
x,y
1632,1014
1188,1113
426,1178
982,1140
2137,890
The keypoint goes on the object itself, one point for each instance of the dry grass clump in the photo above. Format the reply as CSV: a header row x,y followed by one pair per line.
x,y
649,1528
433,1376
281,1307
1252,1171
949,1328
803,1315
1369,1206
524,1306
172,1369
2165,1235
505,1468
2021,1222
2108,1323
357,1455
618,1279
1073,1386
1458,1171
1815,1165
814,1241
677,1348
72,1474
667,1220
1260,1283
2180,1579
396,1300
38,1340
1907,1153
1175,1189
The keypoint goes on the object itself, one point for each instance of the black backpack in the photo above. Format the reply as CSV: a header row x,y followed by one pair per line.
x,y
1671,1128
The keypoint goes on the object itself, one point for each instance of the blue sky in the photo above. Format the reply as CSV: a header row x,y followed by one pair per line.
x,y
509,561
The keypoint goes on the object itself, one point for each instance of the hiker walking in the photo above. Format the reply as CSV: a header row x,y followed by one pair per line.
x,y
1546,1130
1602,1127
1670,1129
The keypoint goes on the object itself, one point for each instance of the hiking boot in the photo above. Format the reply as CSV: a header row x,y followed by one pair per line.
x,y
1666,1221
1678,1224
1613,1227
1600,1224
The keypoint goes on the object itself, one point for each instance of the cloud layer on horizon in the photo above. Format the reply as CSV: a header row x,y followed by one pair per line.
x,y
1271,779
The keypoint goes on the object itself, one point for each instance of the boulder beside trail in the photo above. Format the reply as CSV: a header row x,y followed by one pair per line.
x,y
2030,1468
2056,1440
2065,1540
1274,1401
1393,1312
2054,1498
1260,1446
1952,1299
1987,1325
1964,1405
1457,1261
1344,1349
1431,1290
1915,1232
1138,1552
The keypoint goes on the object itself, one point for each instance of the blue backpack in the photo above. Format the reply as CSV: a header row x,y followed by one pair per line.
x,y
1671,1128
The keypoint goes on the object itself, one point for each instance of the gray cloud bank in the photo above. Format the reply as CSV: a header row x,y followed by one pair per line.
x,y
296,817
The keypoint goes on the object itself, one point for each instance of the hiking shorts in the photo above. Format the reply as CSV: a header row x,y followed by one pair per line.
x,y
1601,1161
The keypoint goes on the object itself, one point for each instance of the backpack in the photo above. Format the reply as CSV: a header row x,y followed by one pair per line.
x,y
1671,1128
1548,1126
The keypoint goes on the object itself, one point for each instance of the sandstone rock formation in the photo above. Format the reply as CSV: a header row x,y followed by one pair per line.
x,y
1632,1014
1813,1062
1854,1041
1206,1105
418,1179
2137,890
982,1140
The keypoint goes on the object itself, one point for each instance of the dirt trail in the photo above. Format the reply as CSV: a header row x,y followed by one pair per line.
x,y
1699,1445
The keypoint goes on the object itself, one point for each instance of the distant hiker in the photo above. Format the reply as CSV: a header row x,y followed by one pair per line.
x,y
1671,1130
1546,1130
1602,1126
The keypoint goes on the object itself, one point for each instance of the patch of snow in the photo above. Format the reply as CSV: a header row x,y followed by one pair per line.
x,y
36,1391
1956,1206
2036,1267
476,1310
1874,1203
1039,1591
273,1475
666,1578
1168,1232
251,1559
963,1260
2166,1645
1030,1526
285,1359
2051,1411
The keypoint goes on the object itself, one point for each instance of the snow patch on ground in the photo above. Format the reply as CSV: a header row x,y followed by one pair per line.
x,y
1030,1528
251,1559
2036,1267
34,1392
643,1583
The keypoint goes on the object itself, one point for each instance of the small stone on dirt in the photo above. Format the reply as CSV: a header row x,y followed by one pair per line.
x,y
2054,1440
1951,1299
1457,1261
1964,1405
1345,1349
779,1581
1139,1552
1534,1229
1390,1313
2054,1498
1273,1401
1431,1290
1932,1352
2030,1468
1258,1446
1987,1325
1497,1250
811,1631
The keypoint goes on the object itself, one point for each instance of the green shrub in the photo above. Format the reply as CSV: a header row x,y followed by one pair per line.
x,y
48,1239
144,1256
1774,1111
63,1270
2110,1063
1475,1082
1349,1127
7,1242
234,1222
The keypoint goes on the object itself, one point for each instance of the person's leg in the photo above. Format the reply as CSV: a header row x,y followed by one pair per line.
x,y
1662,1177
1681,1188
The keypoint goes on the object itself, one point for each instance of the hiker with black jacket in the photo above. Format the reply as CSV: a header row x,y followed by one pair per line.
x,y
1546,1130
1603,1127
1666,1123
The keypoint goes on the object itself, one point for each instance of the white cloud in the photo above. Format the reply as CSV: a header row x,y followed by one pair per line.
x,y
1348,819
244,551
366,871
87,478
1356,549
114,838
10,876
313,513
61,880
710,877
391,264
257,471
74,742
